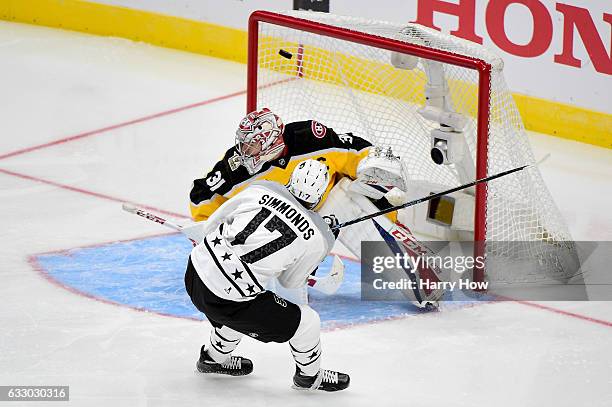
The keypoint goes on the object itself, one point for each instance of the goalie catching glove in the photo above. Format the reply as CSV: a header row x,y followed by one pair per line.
x,y
380,175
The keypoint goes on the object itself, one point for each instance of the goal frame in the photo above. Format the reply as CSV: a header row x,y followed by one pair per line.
x,y
484,87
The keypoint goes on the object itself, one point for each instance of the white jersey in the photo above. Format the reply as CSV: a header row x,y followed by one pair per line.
x,y
259,234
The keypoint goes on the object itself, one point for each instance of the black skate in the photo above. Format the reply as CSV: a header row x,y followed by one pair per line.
x,y
234,366
326,380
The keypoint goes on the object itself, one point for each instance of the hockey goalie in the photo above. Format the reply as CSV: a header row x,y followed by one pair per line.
x,y
363,179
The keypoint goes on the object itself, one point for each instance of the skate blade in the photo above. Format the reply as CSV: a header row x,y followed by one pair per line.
x,y
220,374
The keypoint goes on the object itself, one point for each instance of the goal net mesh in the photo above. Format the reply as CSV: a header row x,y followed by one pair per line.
x,y
355,88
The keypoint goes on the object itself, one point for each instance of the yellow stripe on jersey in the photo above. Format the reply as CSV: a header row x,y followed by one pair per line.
x,y
341,163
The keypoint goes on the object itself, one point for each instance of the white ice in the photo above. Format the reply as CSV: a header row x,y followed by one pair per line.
x,y
55,84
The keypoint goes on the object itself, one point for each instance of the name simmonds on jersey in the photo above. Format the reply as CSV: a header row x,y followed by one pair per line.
x,y
261,233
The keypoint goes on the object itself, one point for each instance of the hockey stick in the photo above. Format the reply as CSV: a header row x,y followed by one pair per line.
x,y
154,218
148,215
438,194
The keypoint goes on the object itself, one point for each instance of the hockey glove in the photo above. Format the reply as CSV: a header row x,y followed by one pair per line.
x,y
332,221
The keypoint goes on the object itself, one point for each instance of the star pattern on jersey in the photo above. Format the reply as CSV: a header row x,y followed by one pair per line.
x,y
216,241
313,355
237,274
219,345
226,256
251,289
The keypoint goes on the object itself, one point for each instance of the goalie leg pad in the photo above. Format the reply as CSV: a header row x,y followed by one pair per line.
x,y
347,205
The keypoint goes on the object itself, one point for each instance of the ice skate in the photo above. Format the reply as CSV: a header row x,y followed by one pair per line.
x,y
234,366
326,380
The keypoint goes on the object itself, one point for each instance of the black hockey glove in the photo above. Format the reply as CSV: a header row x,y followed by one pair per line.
x,y
332,221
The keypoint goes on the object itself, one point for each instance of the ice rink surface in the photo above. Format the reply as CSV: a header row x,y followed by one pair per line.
x,y
88,122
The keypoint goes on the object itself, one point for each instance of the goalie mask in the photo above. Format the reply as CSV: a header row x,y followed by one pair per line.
x,y
259,139
308,182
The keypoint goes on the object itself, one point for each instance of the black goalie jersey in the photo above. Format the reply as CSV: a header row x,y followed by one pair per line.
x,y
303,140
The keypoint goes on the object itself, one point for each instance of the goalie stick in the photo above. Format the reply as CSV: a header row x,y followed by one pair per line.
x,y
438,194
328,284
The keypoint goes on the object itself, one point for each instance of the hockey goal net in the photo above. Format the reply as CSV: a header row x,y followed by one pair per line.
x,y
380,80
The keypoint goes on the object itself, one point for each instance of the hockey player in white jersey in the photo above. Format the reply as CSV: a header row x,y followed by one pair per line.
x,y
266,231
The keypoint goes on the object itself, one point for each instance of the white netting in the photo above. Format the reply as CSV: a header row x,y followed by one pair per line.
x,y
355,88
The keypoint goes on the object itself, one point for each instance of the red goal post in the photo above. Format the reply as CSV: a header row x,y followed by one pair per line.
x,y
483,69
510,210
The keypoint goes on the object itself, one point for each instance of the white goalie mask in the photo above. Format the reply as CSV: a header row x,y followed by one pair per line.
x,y
259,139
308,182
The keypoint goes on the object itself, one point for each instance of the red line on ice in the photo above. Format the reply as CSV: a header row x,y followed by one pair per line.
x,y
43,273
136,121
90,193
120,125
566,313
66,252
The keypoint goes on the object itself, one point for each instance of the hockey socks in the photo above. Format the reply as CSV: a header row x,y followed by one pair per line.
x,y
223,341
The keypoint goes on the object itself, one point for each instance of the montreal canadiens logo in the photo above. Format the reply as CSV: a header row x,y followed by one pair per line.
x,y
318,129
